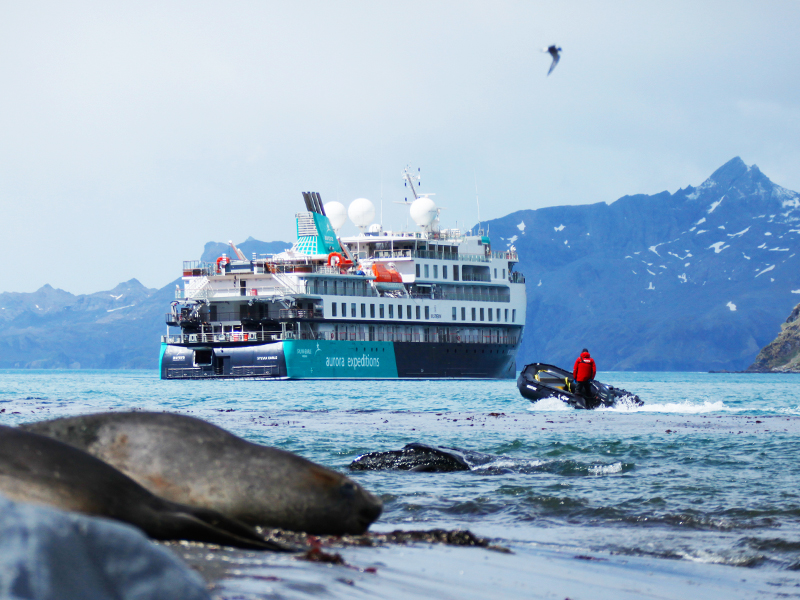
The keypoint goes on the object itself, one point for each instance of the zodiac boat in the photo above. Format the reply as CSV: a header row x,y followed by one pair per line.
x,y
538,381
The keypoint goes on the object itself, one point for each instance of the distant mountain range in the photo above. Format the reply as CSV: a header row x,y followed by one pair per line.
x,y
692,281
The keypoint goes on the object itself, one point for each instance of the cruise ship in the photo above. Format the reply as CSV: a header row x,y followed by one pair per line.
x,y
431,303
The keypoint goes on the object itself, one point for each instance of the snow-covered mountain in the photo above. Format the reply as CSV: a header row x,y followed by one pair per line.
x,y
696,280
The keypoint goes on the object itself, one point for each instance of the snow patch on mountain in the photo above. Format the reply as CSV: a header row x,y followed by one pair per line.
x,y
654,249
559,228
718,247
769,268
739,234
732,306
714,205
521,226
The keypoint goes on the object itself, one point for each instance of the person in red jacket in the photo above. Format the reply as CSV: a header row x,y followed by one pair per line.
x,y
583,372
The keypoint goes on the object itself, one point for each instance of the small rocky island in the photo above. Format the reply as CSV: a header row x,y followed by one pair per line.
x,y
782,355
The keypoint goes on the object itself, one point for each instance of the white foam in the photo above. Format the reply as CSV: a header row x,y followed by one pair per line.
x,y
685,407
549,404
606,469
732,306
559,228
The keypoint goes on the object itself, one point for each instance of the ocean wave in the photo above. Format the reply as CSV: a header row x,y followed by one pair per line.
x,y
549,404
685,407
606,469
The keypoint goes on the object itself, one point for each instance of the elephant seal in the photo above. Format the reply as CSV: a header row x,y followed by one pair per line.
x,y
44,471
187,460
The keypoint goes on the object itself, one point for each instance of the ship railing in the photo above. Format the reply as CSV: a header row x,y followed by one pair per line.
x,y
516,278
231,336
274,336
430,255
506,255
267,291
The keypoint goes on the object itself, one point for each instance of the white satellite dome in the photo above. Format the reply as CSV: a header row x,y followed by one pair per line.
x,y
361,212
424,212
336,213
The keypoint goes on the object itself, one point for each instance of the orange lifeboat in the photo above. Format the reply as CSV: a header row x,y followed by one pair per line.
x,y
385,275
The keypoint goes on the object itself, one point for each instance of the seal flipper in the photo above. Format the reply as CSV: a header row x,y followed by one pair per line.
x,y
204,525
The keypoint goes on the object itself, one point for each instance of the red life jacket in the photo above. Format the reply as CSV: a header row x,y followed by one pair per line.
x,y
584,369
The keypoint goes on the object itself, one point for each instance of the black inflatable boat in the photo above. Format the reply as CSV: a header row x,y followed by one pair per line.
x,y
538,381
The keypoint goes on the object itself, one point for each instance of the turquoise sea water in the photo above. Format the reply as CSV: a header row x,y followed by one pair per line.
x,y
707,471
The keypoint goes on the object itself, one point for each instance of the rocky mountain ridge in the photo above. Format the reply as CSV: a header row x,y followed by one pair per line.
x,y
781,355
696,280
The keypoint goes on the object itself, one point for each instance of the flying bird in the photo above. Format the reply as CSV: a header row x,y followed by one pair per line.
x,y
554,52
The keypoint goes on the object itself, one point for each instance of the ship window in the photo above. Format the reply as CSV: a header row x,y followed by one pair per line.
x,y
463,313
498,315
495,273
372,311
418,313
417,270
473,313
399,311
490,314
391,311
444,271
408,311
427,312
333,309
353,309
504,273
427,272
506,315
325,287
344,309
455,313
363,311
455,272
513,315
436,271
380,311
481,314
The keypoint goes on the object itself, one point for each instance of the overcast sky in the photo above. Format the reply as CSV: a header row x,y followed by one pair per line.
x,y
133,133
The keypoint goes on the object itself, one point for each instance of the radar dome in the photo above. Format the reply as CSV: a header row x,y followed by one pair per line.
x,y
361,212
424,212
336,213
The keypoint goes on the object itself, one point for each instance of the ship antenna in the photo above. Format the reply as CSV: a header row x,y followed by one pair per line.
x,y
477,200
409,180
